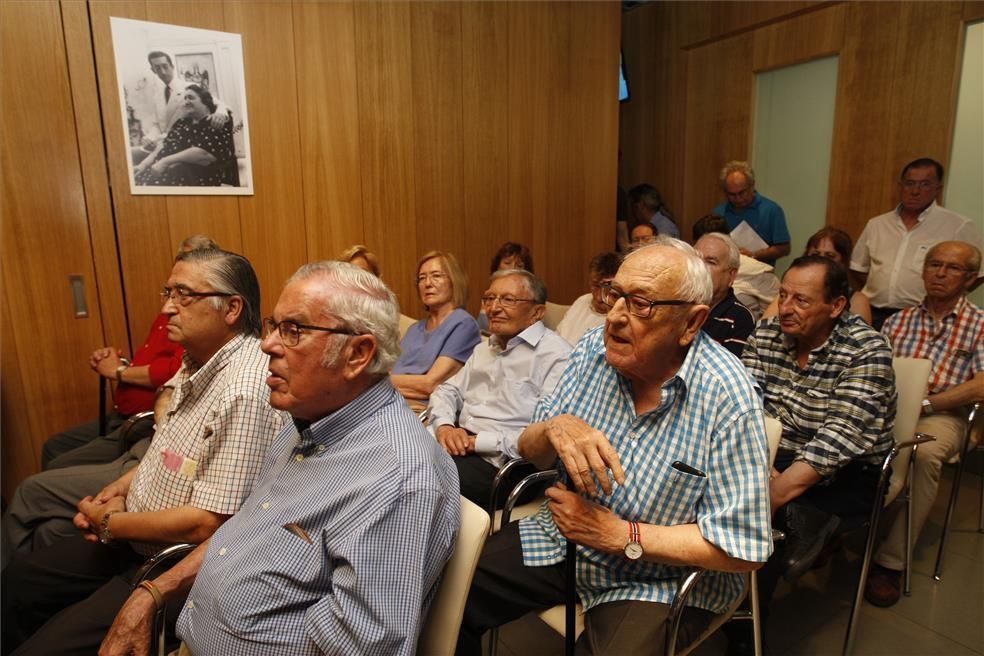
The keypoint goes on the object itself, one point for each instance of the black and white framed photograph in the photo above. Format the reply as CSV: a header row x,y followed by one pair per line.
x,y
183,101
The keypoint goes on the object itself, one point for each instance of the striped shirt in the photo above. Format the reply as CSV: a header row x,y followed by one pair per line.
x,y
340,546
730,323
841,407
955,346
209,445
710,418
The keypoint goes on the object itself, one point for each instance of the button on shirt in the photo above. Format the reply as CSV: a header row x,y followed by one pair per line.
x,y
210,444
955,345
839,408
494,394
710,418
339,551
893,256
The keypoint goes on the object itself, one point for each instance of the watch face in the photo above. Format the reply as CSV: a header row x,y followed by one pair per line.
x,y
633,551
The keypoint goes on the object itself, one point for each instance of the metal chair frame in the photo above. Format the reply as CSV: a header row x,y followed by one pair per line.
x,y
146,572
975,422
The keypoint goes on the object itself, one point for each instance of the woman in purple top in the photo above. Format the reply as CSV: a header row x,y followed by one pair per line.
x,y
435,348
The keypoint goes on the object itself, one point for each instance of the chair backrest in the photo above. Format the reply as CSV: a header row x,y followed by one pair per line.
x,y
773,431
554,314
405,323
911,379
439,634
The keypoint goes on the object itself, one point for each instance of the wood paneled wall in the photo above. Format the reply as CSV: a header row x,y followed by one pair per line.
x,y
407,126
692,73
404,126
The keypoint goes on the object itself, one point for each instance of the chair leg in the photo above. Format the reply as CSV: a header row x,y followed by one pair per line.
x,y
980,520
907,553
938,570
753,596
869,550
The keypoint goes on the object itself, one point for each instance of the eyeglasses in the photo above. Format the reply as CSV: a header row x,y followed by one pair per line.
x,y
922,185
504,301
291,331
184,296
638,306
949,269
436,278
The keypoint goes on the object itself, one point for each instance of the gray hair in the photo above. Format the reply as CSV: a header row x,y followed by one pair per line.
x,y
198,242
738,166
364,304
696,286
734,254
535,286
230,273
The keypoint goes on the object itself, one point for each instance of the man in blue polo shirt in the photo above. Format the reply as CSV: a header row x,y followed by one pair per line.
x,y
744,204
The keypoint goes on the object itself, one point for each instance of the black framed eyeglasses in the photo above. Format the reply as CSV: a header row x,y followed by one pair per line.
x,y
291,331
638,306
184,296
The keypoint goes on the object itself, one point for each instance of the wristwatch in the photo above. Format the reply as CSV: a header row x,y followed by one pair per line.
x,y
633,548
125,364
927,407
105,536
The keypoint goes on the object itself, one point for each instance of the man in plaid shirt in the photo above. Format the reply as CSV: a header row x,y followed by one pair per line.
x,y
947,329
201,465
827,376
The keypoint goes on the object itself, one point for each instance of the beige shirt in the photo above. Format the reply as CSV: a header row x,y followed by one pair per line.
x,y
756,285
579,319
893,256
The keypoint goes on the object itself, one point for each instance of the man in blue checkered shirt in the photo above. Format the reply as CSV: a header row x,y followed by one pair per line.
x,y
661,434
827,377
340,546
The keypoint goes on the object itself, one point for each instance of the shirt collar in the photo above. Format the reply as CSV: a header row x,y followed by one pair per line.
x,y
531,335
334,427
957,309
201,376
725,304
922,215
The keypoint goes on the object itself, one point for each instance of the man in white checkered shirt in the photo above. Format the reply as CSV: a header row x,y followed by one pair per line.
x,y
668,423
341,544
201,465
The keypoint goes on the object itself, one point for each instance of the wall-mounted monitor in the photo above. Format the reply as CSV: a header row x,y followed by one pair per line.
x,y
623,83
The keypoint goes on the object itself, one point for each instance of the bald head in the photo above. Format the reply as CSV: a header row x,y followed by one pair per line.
x,y
949,270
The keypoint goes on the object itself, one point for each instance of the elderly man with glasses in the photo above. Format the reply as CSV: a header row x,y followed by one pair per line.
x,y
888,258
478,414
662,437
201,465
947,329
340,547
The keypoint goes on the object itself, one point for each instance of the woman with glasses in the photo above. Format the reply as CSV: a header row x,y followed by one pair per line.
x,y
435,348
833,244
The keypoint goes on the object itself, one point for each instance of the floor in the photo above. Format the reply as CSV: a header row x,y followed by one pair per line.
x,y
945,618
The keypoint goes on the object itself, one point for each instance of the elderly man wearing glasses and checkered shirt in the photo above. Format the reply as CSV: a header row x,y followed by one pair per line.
x,y
947,329
662,436
201,465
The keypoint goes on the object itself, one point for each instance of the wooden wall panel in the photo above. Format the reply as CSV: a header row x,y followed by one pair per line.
x,y
146,247
45,235
973,10
92,156
486,119
438,138
799,39
272,220
20,433
328,110
719,102
530,87
386,137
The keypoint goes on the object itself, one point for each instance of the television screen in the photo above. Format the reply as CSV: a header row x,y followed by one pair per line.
x,y
623,84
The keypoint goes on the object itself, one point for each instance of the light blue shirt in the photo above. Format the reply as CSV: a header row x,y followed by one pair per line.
x,y
341,544
710,417
455,338
494,394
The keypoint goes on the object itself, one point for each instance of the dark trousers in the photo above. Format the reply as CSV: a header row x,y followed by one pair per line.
x,y
504,589
849,495
476,477
68,440
63,599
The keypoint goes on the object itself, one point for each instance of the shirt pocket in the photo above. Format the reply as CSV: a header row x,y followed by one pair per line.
x,y
919,258
665,495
